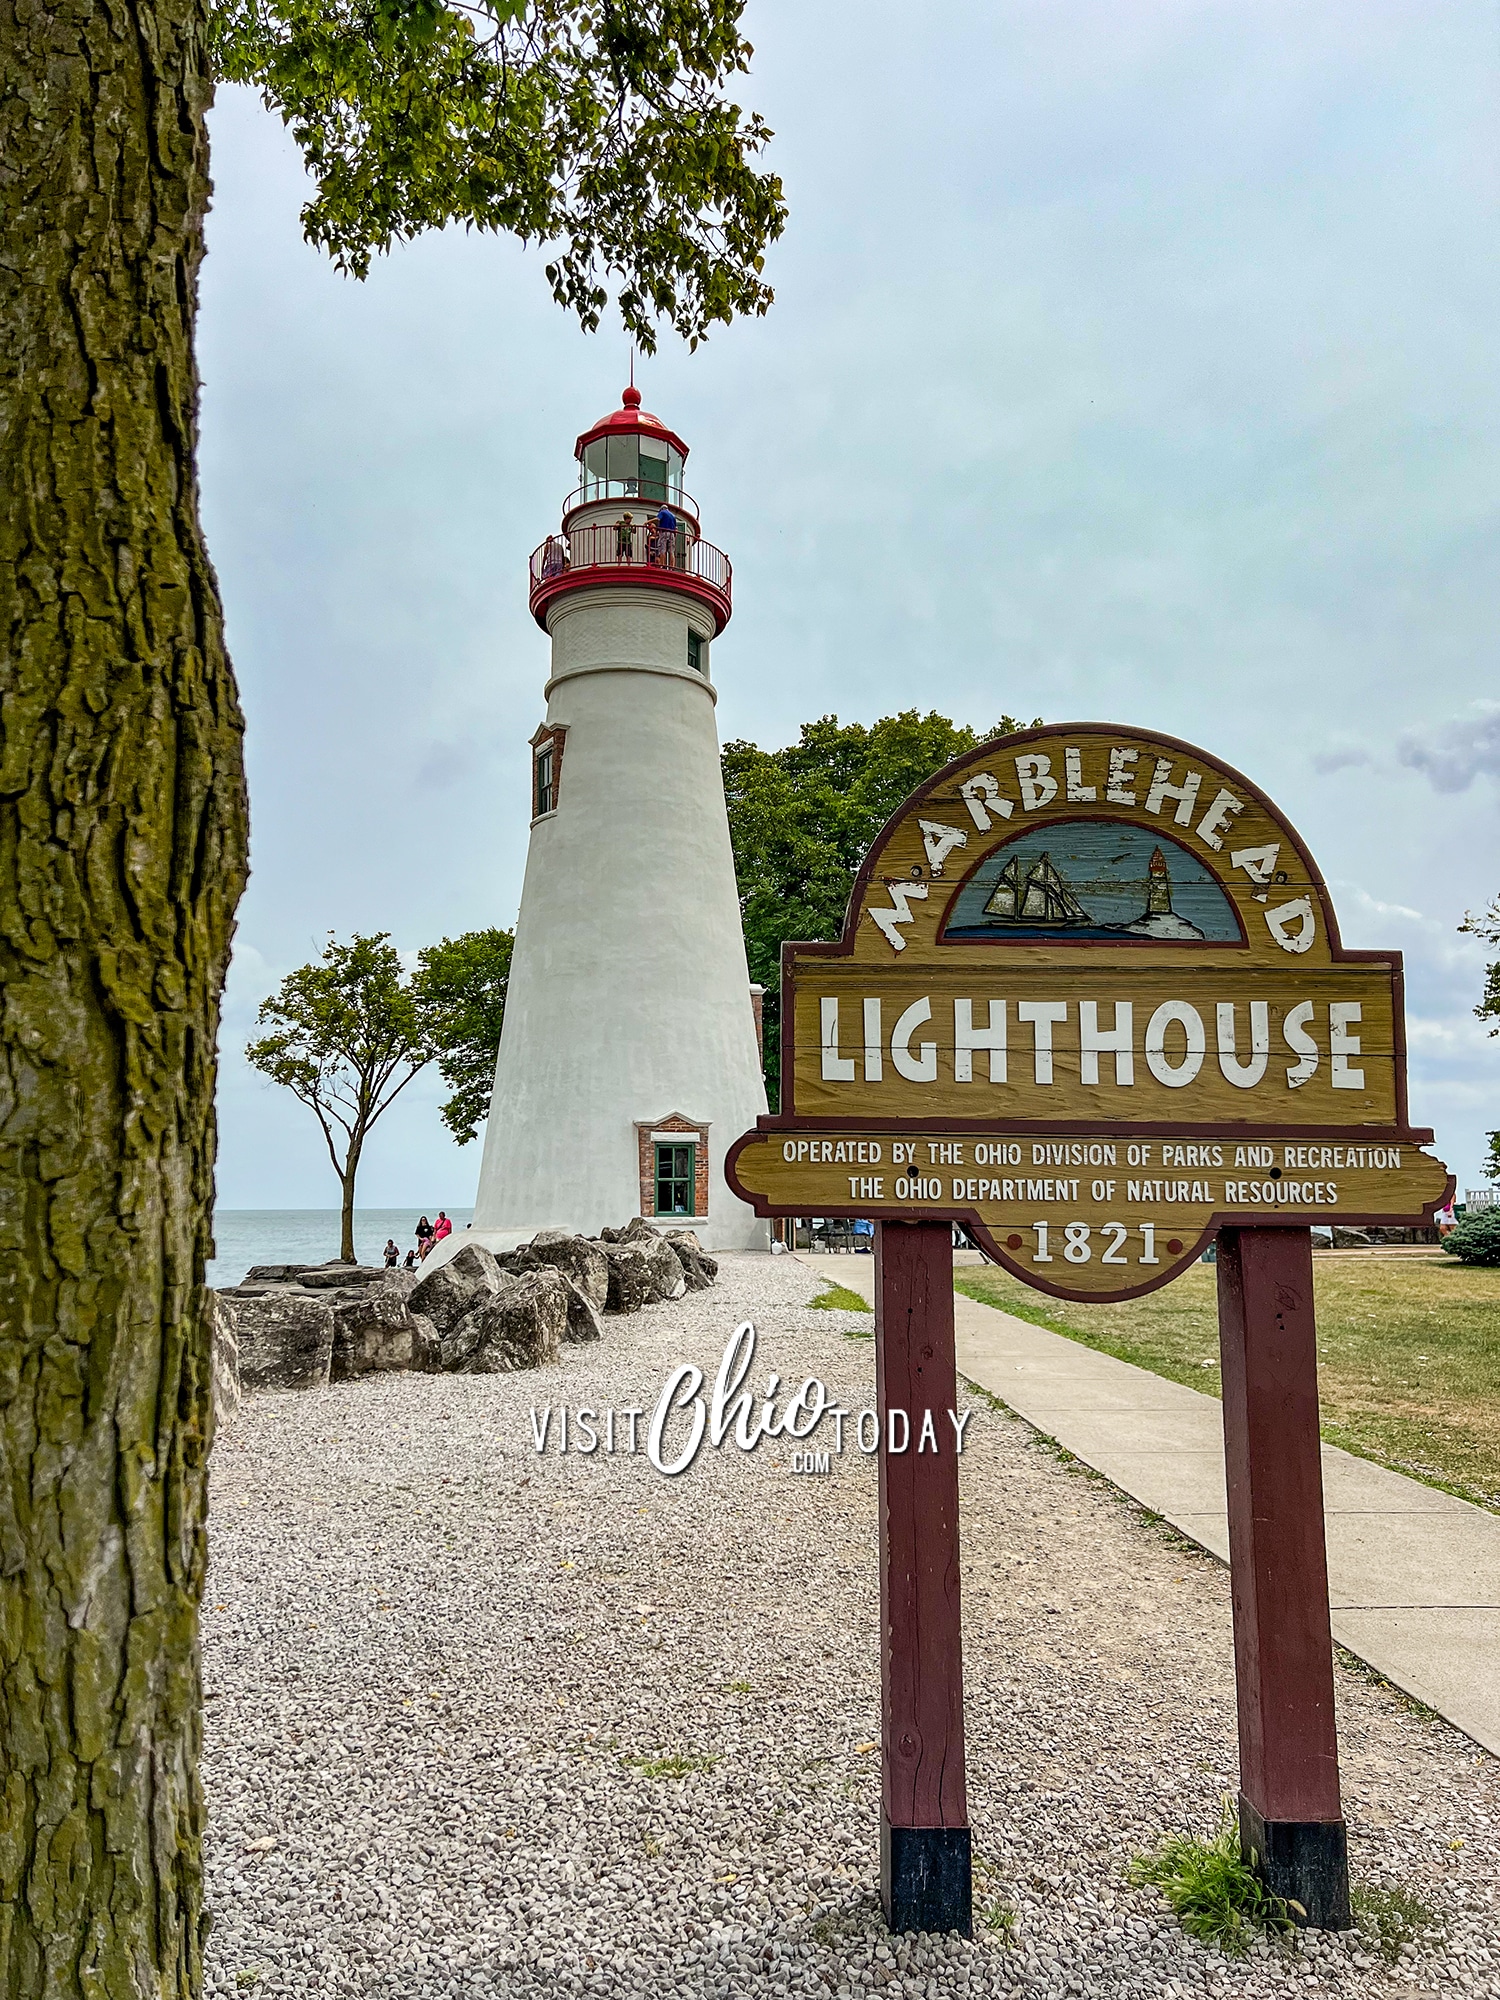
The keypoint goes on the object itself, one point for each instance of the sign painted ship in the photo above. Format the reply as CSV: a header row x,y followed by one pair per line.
x,y
1091,1001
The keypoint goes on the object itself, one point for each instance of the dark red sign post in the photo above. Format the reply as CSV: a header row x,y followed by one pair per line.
x,y
1291,1818
924,1817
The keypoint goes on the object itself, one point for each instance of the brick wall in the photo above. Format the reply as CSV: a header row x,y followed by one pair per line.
x,y
675,1123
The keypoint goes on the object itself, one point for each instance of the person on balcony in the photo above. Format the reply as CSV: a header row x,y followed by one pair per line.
x,y
557,556
625,538
664,538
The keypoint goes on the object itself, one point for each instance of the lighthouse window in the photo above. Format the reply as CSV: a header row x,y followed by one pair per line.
x,y
695,652
674,1179
623,458
546,782
653,470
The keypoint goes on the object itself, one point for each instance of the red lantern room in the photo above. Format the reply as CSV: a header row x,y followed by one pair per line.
x,y
628,521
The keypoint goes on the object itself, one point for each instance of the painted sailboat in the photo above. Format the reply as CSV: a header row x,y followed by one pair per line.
x,y
1039,898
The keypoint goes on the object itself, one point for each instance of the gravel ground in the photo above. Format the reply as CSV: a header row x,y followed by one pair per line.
x,y
441,1670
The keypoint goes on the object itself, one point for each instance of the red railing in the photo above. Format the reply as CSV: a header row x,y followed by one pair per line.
x,y
641,550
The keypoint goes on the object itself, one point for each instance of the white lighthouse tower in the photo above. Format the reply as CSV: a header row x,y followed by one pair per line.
x,y
629,1060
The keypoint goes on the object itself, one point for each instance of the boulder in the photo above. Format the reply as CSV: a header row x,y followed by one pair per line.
x,y
337,1276
698,1267
1350,1239
577,1257
522,1325
275,1274
448,1294
373,1331
627,1278
642,1272
224,1359
285,1339
632,1231
426,1345
583,1321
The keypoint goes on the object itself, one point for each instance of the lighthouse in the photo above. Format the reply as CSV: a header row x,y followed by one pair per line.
x,y
629,1060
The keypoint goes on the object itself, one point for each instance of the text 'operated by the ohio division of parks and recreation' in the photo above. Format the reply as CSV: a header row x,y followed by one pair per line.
x,y
1091,1001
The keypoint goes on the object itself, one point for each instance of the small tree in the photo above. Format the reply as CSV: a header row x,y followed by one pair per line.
x,y
460,988
347,1039
1487,926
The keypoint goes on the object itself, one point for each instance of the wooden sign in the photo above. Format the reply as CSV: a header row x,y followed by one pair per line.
x,y
1091,1002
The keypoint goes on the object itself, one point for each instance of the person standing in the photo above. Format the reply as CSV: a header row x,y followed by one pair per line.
x,y
625,539
392,1254
666,538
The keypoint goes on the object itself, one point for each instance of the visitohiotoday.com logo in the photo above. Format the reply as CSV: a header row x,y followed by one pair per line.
x,y
682,1421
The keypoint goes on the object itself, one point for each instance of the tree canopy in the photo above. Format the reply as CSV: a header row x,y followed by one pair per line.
x,y
346,1038
802,818
601,130
460,988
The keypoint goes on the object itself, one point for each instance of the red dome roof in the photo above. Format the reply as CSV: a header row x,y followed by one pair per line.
x,y
629,417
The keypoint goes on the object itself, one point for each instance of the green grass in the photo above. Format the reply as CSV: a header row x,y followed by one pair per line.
x,y
1213,1893
669,1764
1408,1355
839,1298
1388,1919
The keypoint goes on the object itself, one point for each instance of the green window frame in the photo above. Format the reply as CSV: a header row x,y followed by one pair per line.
x,y
676,1177
695,650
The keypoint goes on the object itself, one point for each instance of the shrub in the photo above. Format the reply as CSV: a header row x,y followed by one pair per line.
x,y
1477,1238
1212,1890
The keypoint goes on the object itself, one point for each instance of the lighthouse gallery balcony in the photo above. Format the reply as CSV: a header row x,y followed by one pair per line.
x,y
634,554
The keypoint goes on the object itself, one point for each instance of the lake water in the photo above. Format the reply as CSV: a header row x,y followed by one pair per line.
x,y
246,1236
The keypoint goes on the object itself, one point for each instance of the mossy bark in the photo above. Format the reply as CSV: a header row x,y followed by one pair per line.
x,y
122,856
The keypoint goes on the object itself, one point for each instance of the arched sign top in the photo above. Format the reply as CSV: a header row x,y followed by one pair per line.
x,y
1117,797
1091,1001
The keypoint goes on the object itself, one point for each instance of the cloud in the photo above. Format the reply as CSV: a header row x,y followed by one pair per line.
x,y
1340,760
1455,753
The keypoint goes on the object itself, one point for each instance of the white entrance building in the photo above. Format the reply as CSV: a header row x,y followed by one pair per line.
x,y
630,1059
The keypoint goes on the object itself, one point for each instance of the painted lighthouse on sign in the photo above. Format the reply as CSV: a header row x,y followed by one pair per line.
x,y
630,1058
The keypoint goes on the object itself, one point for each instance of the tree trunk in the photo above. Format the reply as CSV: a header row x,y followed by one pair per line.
x,y
122,856
346,1224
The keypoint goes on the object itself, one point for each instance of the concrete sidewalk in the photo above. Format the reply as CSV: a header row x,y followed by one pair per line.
x,y
1413,1574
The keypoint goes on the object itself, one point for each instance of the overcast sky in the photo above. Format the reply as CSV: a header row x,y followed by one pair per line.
x,y
1128,363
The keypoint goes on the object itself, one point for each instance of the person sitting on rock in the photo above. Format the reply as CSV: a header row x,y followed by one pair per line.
x,y
441,1228
423,1234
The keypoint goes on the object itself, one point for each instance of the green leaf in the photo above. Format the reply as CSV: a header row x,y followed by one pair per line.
x,y
603,133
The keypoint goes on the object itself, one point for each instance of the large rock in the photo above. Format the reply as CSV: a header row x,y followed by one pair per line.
x,y
275,1274
637,1229
338,1276
698,1267
373,1331
286,1339
224,1359
426,1345
448,1294
521,1325
643,1271
583,1321
577,1257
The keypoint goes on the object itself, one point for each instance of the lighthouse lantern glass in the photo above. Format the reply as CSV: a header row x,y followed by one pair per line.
x,y
632,466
